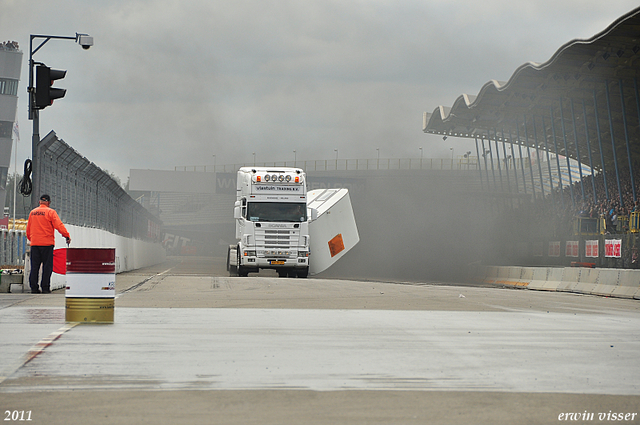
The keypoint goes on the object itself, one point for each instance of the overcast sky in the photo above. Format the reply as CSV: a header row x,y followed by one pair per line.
x,y
174,82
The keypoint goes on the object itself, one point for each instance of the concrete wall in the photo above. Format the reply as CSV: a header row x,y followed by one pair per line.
x,y
620,283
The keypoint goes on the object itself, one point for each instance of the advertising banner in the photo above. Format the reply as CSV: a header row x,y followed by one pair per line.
x,y
591,249
613,248
572,249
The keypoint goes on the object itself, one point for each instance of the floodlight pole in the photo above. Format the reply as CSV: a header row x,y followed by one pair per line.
x,y
86,42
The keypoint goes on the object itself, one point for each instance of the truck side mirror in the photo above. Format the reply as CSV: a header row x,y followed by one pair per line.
x,y
237,212
314,214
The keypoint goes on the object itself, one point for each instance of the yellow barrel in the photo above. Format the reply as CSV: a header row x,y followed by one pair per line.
x,y
90,310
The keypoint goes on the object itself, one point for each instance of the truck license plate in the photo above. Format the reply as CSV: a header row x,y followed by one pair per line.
x,y
276,263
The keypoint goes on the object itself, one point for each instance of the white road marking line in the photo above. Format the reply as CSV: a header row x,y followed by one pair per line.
x,y
36,350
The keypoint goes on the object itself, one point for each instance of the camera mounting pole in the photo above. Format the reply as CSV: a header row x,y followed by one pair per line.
x,y
85,41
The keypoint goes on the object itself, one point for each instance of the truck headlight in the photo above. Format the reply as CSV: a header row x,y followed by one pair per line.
x,y
249,253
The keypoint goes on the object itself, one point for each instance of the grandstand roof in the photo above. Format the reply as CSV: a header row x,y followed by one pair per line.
x,y
584,78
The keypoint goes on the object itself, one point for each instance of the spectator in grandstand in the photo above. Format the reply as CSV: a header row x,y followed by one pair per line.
x,y
9,45
40,233
614,220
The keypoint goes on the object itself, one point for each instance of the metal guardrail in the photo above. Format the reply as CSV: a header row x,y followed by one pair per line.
x,y
634,222
598,226
459,163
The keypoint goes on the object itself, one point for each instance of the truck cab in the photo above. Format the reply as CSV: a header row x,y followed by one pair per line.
x,y
272,222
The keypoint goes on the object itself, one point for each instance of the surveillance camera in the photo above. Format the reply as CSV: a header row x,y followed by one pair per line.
x,y
85,41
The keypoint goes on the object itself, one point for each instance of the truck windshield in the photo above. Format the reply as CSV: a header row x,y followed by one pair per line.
x,y
277,211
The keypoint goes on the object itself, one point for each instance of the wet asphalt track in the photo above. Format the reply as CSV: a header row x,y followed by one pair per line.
x,y
189,339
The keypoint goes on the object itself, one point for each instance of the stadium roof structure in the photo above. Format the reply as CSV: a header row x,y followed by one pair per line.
x,y
581,103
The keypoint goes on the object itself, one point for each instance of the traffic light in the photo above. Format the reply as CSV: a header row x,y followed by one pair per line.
x,y
45,94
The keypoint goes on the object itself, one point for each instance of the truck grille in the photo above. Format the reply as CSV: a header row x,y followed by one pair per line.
x,y
277,239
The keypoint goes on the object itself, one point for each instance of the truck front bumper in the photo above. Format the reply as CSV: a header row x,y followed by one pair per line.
x,y
275,263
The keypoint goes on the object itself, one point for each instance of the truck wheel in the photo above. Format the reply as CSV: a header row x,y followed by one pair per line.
x,y
241,271
303,273
232,269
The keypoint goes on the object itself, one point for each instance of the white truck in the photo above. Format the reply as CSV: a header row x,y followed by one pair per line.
x,y
282,227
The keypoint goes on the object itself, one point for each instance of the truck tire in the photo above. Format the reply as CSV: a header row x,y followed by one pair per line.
x,y
241,271
232,269
303,273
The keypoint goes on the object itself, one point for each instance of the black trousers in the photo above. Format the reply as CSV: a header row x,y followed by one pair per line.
x,y
41,255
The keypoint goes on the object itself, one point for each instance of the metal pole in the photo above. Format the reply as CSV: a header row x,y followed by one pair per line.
x,y
493,171
524,180
35,137
515,167
479,166
586,132
33,115
484,155
506,165
626,137
575,141
604,173
546,148
15,175
566,151
535,138
613,143
526,138
555,146
635,86
495,135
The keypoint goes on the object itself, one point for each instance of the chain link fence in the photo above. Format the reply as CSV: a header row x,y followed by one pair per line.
x,y
84,195
13,244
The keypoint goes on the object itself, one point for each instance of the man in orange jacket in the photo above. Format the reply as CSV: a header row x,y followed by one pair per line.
x,y
40,232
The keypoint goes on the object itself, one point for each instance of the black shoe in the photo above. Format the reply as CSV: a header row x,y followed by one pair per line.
x,y
46,291
37,291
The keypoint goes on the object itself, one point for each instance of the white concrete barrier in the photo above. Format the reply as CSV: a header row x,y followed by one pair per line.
x,y
539,279
608,281
516,275
491,274
526,276
555,276
131,254
587,281
509,276
629,284
570,277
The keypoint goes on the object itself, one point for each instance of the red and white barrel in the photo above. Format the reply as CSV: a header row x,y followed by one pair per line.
x,y
91,285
